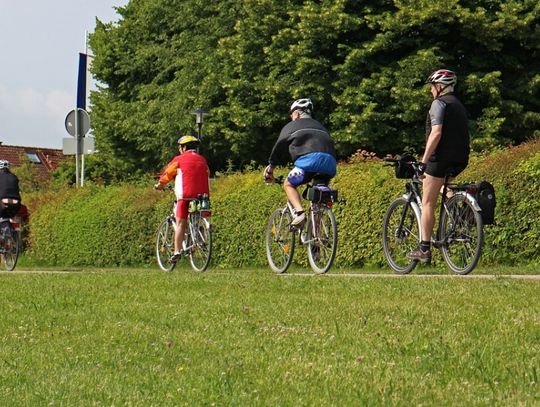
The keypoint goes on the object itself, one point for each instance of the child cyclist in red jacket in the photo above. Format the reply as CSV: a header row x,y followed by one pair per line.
x,y
190,172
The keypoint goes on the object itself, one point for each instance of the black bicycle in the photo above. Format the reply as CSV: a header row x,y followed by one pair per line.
x,y
197,242
459,234
319,232
9,244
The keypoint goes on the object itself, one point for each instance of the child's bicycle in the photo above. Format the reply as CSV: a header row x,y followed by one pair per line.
x,y
459,233
197,242
319,232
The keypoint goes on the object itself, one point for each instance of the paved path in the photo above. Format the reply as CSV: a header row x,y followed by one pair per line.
x,y
328,275
470,276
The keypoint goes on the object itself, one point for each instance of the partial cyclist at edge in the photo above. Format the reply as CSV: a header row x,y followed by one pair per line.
x,y
10,195
190,172
311,149
446,152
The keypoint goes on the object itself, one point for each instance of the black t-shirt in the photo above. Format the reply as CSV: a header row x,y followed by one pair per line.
x,y
9,185
454,143
300,137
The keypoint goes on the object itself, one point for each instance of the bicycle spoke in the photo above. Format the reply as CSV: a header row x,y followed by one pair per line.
x,y
401,235
201,242
463,236
280,241
165,245
10,251
322,239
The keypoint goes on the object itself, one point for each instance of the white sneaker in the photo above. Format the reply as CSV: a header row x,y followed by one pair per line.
x,y
298,219
175,257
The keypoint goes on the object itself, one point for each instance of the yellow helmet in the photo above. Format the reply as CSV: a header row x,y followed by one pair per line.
x,y
188,139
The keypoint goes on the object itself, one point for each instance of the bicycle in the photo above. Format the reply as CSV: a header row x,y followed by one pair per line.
x,y
319,232
9,244
459,234
197,242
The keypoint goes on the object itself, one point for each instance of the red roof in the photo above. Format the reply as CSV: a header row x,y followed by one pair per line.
x,y
46,159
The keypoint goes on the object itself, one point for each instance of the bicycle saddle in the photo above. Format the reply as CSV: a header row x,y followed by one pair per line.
x,y
321,179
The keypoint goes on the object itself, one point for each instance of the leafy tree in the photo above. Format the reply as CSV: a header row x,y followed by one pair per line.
x,y
492,45
363,63
157,64
31,179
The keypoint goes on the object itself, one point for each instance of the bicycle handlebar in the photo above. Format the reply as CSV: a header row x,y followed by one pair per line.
x,y
167,187
277,180
416,165
390,162
393,161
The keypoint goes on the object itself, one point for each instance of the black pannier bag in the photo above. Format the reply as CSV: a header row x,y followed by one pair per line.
x,y
404,169
321,194
485,195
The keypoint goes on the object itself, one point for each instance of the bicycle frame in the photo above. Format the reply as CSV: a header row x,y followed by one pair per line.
x,y
414,197
311,213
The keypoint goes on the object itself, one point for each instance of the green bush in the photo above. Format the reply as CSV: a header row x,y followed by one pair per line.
x,y
515,173
95,226
109,226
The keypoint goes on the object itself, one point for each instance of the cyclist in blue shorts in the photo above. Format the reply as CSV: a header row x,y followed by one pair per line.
x,y
310,147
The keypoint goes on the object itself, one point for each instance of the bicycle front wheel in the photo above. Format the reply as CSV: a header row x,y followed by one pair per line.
x,y
401,235
280,240
10,252
461,234
199,242
165,244
322,239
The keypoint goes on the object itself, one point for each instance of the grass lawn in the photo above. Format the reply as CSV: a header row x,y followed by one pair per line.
x,y
248,337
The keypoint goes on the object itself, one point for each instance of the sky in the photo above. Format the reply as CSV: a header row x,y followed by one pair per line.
x,y
40,41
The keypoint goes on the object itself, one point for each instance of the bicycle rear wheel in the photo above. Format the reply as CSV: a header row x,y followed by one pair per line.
x,y
401,235
10,251
461,234
165,244
280,240
322,239
200,242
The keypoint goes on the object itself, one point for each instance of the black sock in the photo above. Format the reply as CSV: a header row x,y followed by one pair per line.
x,y
425,246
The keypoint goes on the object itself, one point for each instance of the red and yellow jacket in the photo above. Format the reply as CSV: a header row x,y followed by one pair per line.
x,y
190,173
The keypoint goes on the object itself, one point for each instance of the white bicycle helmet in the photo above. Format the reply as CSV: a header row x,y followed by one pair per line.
x,y
444,76
4,164
302,104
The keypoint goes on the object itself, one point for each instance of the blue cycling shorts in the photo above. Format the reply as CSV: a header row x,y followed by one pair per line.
x,y
306,166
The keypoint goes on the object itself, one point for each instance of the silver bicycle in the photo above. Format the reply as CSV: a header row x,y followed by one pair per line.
x,y
319,233
459,234
197,242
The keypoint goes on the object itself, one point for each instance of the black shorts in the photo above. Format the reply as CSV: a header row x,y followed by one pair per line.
x,y
9,210
440,169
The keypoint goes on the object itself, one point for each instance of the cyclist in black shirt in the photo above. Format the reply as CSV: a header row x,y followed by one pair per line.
x,y
311,149
10,197
446,152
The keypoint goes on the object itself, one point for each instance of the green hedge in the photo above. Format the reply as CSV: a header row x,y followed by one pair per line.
x,y
115,226
94,226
